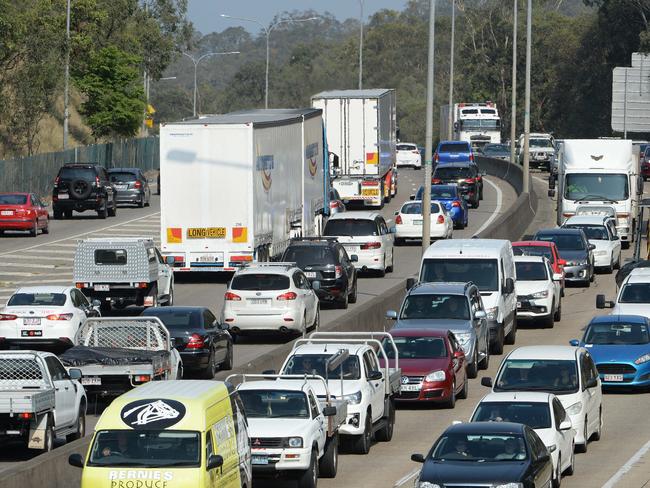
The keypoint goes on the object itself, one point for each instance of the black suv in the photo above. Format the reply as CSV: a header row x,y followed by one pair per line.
x,y
83,187
466,175
325,260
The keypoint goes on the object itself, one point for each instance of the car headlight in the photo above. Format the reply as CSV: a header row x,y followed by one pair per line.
x,y
540,294
353,398
510,485
574,409
491,313
435,376
427,484
600,253
294,442
464,338
642,359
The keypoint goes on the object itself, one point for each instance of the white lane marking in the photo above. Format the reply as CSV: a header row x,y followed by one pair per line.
x,y
44,258
43,282
77,236
403,480
623,470
27,265
48,251
497,210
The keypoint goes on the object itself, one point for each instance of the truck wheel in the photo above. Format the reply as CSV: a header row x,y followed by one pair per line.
x,y
309,478
81,426
329,463
49,436
385,434
344,302
68,214
361,443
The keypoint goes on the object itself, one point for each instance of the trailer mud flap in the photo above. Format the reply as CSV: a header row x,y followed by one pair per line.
x,y
36,439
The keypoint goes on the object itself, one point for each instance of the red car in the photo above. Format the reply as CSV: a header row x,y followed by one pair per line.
x,y
542,248
644,159
433,366
23,211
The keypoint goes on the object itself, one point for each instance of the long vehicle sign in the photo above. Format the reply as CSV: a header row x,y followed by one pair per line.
x,y
206,233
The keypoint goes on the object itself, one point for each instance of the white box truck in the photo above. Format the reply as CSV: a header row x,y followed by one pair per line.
x,y
237,187
476,123
599,172
361,132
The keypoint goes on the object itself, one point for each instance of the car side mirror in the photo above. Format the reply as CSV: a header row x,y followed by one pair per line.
x,y
574,342
510,286
591,247
76,460
315,285
410,283
561,262
459,354
411,197
391,315
417,458
557,277
397,213
544,458
354,258
393,230
486,381
480,315
214,461
75,374
329,411
269,371
551,192
592,383
375,375
601,302
615,238
566,425
223,325
169,260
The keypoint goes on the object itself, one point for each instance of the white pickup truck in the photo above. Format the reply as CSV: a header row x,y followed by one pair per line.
x,y
368,388
293,433
118,353
39,400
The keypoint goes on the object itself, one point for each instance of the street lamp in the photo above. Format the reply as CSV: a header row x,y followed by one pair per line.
x,y
267,31
196,62
361,44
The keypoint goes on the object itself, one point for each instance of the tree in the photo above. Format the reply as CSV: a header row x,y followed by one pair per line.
x,y
115,98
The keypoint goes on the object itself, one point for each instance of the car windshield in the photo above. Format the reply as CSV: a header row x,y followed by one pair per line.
x,y
483,272
496,148
535,415
438,192
635,293
481,448
175,319
533,251
550,375
564,242
260,282
350,227
435,307
416,348
531,271
77,174
541,143
595,232
452,173
121,177
275,404
145,448
309,256
415,208
617,333
406,147
13,199
590,187
37,300
453,148
316,364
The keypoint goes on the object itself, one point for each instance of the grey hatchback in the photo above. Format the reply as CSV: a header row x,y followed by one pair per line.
x,y
131,185
449,306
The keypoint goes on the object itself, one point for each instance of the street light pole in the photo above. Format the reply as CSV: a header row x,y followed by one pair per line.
x,y
361,44
267,32
529,29
513,116
196,62
428,151
66,89
450,121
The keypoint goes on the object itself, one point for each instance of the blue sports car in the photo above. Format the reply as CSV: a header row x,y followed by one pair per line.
x,y
620,347
452,199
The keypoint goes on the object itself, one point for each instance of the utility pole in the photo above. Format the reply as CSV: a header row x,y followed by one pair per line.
x,y
529,29
361,44
451,71
428,151
66,89
513,116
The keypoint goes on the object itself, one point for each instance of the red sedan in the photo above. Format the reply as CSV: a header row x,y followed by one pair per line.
x,y
433,366
23,211
542,248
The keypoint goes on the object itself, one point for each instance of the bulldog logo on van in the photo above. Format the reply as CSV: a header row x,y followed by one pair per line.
x,y
265,165
311,154
152,414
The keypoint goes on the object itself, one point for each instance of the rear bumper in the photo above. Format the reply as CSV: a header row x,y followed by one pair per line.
x,y
16,224
32,343
79,205
129,196
404,231
289,319
370,259
195,359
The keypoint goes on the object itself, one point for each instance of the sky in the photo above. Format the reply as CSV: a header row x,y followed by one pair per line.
x,y
205,13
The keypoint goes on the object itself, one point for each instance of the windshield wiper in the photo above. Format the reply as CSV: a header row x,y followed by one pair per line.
x,y
599,197
173,463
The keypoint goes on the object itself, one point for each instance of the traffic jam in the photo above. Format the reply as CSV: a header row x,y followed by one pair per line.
x,y
305,223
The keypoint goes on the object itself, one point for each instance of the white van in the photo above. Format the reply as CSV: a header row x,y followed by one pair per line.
x,y
489,263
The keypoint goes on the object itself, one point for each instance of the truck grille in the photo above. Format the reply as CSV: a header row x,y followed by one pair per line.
x,y
270,442
615,368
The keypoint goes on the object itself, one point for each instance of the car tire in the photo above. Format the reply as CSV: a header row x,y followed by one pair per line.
x,y
391,268
316,324
583,448
34,230
329,463
309,477
68,214
170,297
512,335
229,362
485,362
382,272
496,347
82,192
57,214
361,444
572,467
465,391
211,370
556,482
598,434
476,204
451,403
472,369
102,213
385,434
558,313
352,297
141,202
46,229
81,425
112,212
343,303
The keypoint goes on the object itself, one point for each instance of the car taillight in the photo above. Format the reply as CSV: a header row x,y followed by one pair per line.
x,y
436,157
81,285
96,180
398,220
441,219
196,342
142,284
231,297
56,181
470,180
59,316
415,152
436,181
371,245
368,183
455,203
338,271
471,157
25,415
141,378
7,316
138,184
287,296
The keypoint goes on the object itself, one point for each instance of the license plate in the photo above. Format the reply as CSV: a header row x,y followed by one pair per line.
x,y
207,258
102,287
31,333
121,187
613,377
410,387
259,459
91,380
345,183
518,304
32,321
259,301
7,212
310,274
417,222
370,192
63,196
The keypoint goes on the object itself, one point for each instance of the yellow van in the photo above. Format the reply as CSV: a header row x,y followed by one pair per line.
x,y
170,434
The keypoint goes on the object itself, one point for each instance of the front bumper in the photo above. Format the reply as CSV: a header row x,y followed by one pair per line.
x,y
404,231
270,461
625,374
578,273
16,224
434,392
534,307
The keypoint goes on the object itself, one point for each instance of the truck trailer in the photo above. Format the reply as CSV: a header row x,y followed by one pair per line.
x,y
237,187
476,123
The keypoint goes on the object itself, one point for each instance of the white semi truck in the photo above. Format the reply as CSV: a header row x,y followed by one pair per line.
x,y
237,187
476,123
361,129
597,172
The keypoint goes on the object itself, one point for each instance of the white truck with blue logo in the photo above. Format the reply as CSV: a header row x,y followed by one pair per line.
x,y
237,187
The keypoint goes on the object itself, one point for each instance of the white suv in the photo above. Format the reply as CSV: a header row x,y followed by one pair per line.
x,y
366,235
408,222
539,290
408,154
601,232
633,297
271,297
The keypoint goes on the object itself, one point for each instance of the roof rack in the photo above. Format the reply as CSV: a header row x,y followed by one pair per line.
x,y
315,238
